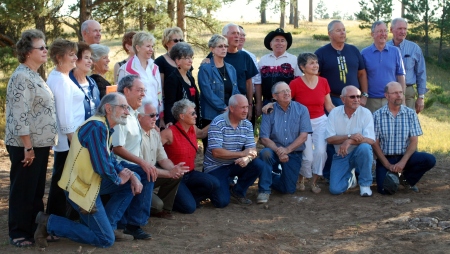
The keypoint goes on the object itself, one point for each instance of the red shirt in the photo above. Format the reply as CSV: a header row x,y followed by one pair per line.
x,y
313,99
181,150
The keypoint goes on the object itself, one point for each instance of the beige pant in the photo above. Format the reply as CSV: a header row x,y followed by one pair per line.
x,y
373,104
410,97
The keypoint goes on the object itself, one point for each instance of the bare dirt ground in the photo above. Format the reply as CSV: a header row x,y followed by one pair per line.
x,y
304,222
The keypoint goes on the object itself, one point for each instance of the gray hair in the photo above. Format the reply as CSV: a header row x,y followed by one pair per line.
x,y
394,21
180,107
331,24
215,39
25,44
85,25
145,102
180,50
344,90
303,58
375,24
111,98
140,37
390,84
98,51
274,87
126,82
227,27
233,99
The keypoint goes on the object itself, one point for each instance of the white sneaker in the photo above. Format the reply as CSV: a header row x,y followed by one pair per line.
x,y
352,182
262,198
365,191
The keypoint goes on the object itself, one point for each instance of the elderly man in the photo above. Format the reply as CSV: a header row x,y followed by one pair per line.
x,y
126,141
383,64
91,170
414,64
153,152
283,133
91,31
350,130
341,64
396,130
232,152
276,66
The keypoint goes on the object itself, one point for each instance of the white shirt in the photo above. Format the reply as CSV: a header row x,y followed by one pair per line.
x,y
69,107
128,136
271,60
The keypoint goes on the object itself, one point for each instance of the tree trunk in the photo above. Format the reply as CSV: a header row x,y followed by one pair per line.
x,y
121,28
85,14
171,10
296,14
181,22
310,17
141,17
403,10
427,30
150,22
262,10
40,24
282,13
441,32
291,12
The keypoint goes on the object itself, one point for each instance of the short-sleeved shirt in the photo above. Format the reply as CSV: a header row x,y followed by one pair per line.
x,y
152,149
284,127
313,99
128,136
221,134
382,67
164,67
273,69
360,122
340,68
394,132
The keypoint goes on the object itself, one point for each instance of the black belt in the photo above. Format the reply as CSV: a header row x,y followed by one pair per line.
x,y
410,84
392,156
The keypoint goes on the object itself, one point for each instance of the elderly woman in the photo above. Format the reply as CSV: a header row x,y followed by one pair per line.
x,y
29,134
180,84
70,114
100,67
217,81
86,84
127,45
143,65
171,36
180,144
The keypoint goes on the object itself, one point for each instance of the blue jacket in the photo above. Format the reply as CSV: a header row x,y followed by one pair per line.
x,y
212,89
94,94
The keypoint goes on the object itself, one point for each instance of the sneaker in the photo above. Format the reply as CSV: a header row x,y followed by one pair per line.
x,y
352,182
365,191
406,184
315,188
262,198
120,236
390,183
414,188
164,214
301,185
138,234
240,200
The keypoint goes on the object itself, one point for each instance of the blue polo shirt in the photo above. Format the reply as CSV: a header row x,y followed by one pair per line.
x,y
382,67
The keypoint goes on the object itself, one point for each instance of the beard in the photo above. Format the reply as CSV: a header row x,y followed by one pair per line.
x,y
119,119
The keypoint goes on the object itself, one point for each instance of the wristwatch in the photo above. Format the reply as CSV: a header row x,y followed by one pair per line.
x,y
365,95
28,149
422,96
349,135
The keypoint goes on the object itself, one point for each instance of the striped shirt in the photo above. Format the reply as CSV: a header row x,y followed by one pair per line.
x,y
92,136
394,132
414,63
221,134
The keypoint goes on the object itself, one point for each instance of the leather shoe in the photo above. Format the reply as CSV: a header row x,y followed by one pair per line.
x,y
40,236
164,214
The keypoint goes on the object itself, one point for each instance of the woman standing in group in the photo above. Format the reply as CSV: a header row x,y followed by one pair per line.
x,y
180,84
101,60
29,134
171,36
127,45
70,114
217,81
143,65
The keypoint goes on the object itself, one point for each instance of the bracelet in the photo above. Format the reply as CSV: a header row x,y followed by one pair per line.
x,y
29,149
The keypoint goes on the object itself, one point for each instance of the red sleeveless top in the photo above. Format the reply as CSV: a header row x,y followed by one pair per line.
x,y
181,150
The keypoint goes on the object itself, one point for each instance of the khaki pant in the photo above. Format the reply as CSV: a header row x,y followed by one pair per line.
x,y
410,97
373,104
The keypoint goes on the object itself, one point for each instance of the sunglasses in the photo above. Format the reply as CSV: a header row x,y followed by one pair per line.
x,y
222,46
152,115
42,48
354,97
177,40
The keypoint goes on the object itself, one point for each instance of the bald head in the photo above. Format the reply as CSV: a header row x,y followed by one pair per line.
x,y
91,32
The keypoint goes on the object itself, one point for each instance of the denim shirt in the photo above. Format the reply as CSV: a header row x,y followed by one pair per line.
x,y
93,95
212,90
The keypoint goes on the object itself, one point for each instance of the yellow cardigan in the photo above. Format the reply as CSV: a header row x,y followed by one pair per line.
x,y
78,177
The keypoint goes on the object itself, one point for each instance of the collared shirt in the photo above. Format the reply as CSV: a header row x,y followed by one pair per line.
x,y
221,134
93,136
284,127
414,64
394,132
152,150
128,136
360,122
382,67
273,69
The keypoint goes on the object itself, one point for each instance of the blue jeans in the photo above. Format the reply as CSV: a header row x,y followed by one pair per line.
x,y
361,159
96,229
330,148
246,177
418,164
138,212
194,187
287,181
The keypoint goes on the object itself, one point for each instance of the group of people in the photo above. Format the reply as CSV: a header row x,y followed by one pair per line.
x,y
113,150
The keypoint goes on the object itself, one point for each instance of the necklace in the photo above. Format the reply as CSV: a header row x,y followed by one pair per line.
x,y
224,74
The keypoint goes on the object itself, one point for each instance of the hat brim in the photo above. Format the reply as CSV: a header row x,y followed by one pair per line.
x,y
271,35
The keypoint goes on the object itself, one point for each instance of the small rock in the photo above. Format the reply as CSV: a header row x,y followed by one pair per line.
x,y
268,237
444,224
266,207
402,201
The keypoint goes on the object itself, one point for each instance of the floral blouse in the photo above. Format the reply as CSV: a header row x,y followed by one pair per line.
x,y
30,109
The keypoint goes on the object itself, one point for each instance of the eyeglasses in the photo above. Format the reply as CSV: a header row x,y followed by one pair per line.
x,y
141,90
193,113
284,91
381,32
177,40
354,96
151,115
221,46
188,58
42,48
123,106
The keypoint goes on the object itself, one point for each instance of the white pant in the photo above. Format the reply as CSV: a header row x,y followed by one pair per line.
x,y
315,153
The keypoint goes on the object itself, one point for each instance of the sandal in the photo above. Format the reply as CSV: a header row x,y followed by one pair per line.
x,y
20,243
52,238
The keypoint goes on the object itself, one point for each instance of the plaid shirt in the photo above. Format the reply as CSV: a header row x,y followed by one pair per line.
x,y
394,132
